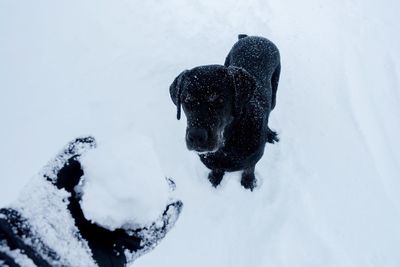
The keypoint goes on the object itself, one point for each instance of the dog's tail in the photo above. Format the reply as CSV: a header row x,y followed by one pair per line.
x,y
272,137
240,36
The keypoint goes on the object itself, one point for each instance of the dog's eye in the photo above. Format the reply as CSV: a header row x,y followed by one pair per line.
x,y
188,101
213,97
216,99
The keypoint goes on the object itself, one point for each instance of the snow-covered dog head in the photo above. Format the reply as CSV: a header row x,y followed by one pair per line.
x,y
211,97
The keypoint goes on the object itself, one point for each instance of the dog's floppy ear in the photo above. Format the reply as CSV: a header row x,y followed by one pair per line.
x,y
244,85
175,90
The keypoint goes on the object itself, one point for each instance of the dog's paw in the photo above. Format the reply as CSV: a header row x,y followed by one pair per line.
x,y
248,181
215,177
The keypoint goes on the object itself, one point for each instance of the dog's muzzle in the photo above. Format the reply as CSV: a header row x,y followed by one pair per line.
x,y
196,139
201,141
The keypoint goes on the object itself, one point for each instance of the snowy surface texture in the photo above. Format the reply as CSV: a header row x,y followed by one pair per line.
x,y
123,183
329,191
19,257
45,208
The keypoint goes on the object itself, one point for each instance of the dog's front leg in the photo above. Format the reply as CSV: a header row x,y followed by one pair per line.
x,y
215,177
248,178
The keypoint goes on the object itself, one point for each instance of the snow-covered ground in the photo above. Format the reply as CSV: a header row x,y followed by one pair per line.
x,y
330,190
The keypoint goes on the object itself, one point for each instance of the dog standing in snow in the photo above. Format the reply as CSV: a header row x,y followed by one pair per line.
x,y
227,108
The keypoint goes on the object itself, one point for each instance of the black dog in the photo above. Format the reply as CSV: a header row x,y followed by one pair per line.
x,y
227,108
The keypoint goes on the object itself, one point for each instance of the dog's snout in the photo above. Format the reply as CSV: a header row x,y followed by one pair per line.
x,y
197,137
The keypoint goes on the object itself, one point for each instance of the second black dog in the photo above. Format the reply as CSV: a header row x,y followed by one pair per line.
x,y
227,108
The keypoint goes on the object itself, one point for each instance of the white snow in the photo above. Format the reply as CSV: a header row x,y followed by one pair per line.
x,y
20,258
123,183
330,189
45,208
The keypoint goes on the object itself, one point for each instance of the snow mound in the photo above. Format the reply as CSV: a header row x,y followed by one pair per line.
x,y
124,185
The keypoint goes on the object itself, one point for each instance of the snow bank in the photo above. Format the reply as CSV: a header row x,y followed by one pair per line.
x,y
123,183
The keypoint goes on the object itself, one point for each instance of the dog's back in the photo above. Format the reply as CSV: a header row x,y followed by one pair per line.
x,y
260,57
257,55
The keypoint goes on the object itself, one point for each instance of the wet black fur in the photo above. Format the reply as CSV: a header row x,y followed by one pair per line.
x,y
247,83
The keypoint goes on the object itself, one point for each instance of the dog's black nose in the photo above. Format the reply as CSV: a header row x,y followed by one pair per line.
x,y
196,137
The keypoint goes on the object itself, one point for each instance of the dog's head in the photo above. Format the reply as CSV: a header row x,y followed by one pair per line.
x,y
211,97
